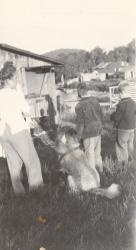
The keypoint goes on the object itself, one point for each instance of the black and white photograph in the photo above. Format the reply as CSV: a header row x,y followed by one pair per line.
x,y
67,125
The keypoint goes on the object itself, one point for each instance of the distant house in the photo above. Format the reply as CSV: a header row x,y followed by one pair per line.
x,y
120,69
87,77
127,72
36,78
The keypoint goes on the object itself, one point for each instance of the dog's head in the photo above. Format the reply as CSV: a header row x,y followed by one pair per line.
x,y
66,139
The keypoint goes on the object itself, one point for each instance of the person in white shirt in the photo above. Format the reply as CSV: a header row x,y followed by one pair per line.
x,y
15,133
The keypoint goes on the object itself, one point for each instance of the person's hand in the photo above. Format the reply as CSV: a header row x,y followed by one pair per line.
x,y
31,122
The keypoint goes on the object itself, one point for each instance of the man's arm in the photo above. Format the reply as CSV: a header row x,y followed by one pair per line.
x,y
117,115
79,121
25,108
135,107
80,128
101,113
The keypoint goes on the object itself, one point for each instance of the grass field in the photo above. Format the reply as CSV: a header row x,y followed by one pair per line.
x,y
56,220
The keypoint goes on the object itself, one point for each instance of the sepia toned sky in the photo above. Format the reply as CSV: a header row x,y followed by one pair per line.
x,y
45,25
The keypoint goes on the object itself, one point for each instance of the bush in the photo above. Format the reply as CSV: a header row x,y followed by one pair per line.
x,y
102,86
73,85
96,85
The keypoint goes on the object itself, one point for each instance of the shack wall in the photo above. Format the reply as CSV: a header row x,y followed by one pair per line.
x,y
39,84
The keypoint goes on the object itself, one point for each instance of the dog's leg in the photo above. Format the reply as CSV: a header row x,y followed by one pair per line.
x,y
89,179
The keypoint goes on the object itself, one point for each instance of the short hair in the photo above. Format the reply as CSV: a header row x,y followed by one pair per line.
x,y
41,111
122,86
82,86
8,71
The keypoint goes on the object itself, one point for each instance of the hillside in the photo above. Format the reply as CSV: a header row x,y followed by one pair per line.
x,y
74,60
55,54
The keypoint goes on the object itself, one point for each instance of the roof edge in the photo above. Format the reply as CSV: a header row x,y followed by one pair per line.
x,y
31,54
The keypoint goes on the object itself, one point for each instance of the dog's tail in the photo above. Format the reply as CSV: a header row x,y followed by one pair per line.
x,y
111,192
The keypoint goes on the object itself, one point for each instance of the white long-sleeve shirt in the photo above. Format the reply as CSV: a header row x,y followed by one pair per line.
x,y
12,104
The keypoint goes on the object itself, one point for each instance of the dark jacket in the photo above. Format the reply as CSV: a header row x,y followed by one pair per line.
x,y
89,116
124,117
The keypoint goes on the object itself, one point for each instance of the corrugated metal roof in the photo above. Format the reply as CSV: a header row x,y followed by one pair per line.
x,y
30,54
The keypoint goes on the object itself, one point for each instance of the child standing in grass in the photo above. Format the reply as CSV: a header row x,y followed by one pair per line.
x,y
124,119
89,126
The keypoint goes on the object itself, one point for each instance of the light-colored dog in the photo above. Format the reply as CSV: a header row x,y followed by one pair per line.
x,y
81,177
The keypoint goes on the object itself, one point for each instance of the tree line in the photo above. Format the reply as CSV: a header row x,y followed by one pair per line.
x,y
76,61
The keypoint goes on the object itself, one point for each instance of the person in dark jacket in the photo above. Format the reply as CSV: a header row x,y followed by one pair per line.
x,y
89,126
124,119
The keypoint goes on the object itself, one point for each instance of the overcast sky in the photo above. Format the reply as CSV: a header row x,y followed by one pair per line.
x,y
45,25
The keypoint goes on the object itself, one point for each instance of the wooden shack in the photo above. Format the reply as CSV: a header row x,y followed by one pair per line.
x,y
36,77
